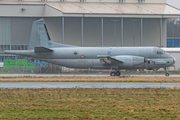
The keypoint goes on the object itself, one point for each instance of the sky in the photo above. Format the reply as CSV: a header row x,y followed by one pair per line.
x,y
175,3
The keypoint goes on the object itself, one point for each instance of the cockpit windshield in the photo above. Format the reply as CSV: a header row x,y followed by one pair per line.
x,y
161,52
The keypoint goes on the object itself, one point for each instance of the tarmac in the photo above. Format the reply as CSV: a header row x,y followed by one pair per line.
x,y
81,84
74,75
84,85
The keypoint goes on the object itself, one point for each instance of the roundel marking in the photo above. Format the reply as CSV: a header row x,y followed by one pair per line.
x,y
82,56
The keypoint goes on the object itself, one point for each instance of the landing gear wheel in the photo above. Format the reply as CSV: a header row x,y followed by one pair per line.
x,y
118,73
113,74
167,74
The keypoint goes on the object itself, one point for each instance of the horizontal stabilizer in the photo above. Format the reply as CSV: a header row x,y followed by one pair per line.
x,y
42,49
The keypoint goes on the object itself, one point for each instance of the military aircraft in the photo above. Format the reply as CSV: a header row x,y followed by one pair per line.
x,y
114,58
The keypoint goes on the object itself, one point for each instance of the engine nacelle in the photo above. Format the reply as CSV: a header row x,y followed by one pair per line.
x,y
128,61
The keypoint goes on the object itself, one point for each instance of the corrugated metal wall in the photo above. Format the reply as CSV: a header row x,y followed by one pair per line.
x,y
18,30
5,31
21,30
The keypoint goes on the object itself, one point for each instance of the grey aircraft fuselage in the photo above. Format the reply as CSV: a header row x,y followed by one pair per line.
x,y
87,57
117,58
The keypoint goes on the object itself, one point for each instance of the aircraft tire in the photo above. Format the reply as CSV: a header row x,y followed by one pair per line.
x,y
113,74
118,73
167,74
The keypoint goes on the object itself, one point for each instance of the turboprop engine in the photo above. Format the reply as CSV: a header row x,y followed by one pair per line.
x,y
128,61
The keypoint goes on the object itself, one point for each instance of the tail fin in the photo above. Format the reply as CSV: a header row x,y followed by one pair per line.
x,y
40,36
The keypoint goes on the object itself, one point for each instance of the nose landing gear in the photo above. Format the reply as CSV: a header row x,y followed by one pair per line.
x,y
117,73
167,74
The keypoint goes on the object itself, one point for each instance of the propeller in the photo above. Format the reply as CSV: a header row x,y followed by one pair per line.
x,y
146,61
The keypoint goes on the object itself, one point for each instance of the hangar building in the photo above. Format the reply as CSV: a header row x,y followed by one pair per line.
x,y
87,22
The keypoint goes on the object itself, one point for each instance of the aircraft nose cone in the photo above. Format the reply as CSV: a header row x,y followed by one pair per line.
x,y
174,60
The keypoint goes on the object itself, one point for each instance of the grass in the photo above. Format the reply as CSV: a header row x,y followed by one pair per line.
x,y
91,79
90,103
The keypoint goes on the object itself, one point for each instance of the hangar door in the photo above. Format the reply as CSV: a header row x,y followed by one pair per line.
x,y
5,33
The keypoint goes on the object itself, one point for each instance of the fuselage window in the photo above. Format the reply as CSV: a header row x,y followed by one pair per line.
x,y
75,53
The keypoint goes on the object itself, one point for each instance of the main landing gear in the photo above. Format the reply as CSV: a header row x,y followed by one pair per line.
x,y
167,74
117,73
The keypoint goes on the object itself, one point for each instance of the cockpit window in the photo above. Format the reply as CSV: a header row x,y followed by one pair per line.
x,y
160,52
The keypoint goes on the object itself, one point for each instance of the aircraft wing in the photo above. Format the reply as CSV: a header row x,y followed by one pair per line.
x,y
120,60
114,59
109,60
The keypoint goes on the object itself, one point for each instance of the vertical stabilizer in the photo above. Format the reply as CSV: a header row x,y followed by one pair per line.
x,y
39,35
